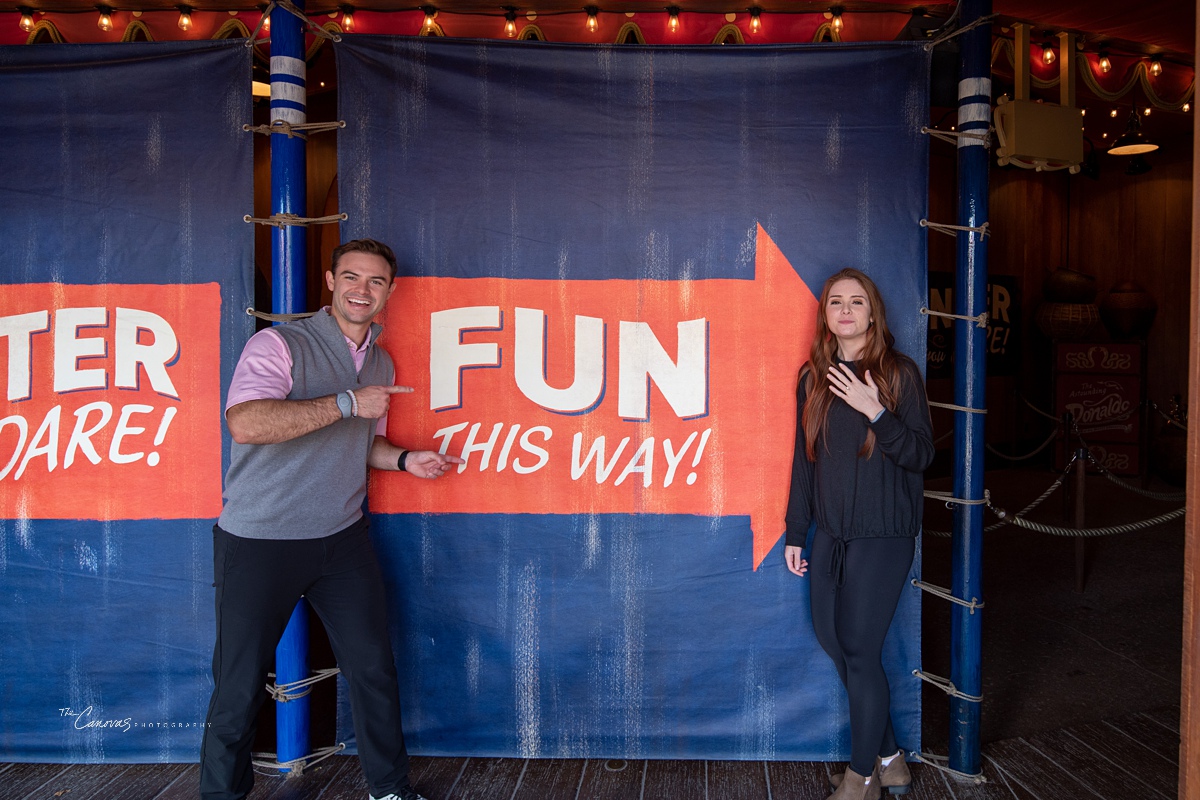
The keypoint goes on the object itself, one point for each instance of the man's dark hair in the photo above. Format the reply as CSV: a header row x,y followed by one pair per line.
x,y
368,246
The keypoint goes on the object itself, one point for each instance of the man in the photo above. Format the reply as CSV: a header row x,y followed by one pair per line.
x,y
307,410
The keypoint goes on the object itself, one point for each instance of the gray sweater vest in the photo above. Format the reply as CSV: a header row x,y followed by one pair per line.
x,y
312,486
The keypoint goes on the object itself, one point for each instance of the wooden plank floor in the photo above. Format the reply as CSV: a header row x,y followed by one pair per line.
x,y
1133,757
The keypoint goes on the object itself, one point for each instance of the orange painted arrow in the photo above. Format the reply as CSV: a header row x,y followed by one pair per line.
x,y
602,397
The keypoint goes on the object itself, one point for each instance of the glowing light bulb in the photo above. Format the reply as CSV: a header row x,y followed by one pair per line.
x,y
1147,111
836,22
266,26
1113,113
1186,107
592,22
430,15
510,22
348,19
104,23
26,20
755,20
1156,68
673,19
185,18
1048,54
1105,63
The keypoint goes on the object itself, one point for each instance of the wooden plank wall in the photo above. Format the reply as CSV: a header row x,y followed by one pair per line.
x,y
1189,705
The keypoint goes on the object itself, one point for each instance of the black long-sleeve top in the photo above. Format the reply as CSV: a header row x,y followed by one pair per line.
x,y
853,497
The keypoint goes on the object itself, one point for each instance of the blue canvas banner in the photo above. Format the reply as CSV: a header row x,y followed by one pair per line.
x,y
126,271
609,258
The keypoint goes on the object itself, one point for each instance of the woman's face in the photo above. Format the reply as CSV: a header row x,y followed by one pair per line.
x,y
848,314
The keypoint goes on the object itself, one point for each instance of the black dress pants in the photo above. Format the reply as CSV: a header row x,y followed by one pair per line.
x,y
854,588
258,583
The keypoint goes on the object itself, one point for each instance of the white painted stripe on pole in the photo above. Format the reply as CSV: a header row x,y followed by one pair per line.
x,y
288,91
974,112
291,116
968,87
286,65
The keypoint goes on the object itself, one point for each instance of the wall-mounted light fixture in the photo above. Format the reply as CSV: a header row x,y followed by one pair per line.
x,y
1132,141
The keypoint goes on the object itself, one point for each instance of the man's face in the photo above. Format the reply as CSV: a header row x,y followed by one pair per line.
x,y
362,285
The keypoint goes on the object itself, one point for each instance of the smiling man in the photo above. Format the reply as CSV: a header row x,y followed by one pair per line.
x,y
307,411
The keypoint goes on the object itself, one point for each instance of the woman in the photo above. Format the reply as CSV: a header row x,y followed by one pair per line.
x,y
863,438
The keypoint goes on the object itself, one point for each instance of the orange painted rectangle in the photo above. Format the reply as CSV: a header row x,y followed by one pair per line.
x,y
111,405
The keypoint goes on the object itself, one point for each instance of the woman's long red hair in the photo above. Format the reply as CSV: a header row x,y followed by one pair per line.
x,y
878,357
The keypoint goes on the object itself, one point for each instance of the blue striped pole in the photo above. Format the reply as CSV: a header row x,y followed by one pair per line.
x,y
970,348
289,295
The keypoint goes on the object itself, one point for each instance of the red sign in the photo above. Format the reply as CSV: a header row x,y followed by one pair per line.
x,y
608,396
1104,406
1108,358
112,407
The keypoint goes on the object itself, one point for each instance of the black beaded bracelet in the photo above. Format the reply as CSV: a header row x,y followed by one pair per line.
x,y
400,461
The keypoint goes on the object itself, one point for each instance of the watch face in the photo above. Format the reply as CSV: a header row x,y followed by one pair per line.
x,y
343,402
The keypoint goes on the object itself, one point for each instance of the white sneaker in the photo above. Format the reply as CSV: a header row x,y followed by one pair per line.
x,y
406,793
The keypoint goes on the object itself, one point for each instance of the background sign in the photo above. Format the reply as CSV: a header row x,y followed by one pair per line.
x,y
125,273
609,257
1004,330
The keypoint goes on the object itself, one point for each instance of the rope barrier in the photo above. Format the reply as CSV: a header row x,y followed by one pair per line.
x,y
945,594
947,37
283,220
1045,414
297,766
943,763
1018,519
948,498
298,130
278,317
1053,435
953,136
952,230
980,321
286,692
1004,515
953,407
1168,496
947,686
1103,470
288,6
1109,531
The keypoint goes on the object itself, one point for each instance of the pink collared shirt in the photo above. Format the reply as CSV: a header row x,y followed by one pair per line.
x,y
264,370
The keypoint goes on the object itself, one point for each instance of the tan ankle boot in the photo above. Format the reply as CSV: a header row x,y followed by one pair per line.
x,y
855,787
894,778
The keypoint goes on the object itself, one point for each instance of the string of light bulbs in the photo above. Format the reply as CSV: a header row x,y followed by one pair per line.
x,y
1152,66
104,21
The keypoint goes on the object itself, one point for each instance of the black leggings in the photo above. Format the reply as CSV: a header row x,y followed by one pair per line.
x,y
854,588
